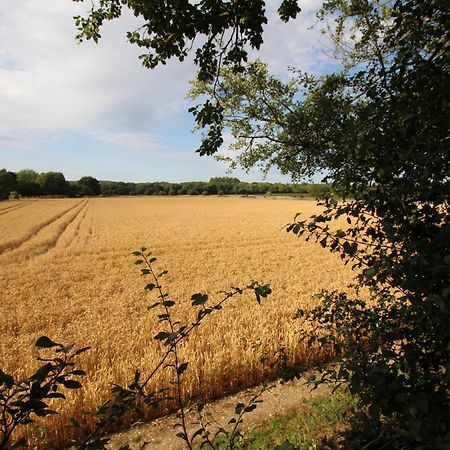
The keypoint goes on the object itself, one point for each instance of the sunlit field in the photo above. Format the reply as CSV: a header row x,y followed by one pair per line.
x,y
66,271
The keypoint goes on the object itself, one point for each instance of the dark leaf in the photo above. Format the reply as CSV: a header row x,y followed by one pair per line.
x,y
181,368
45,342
72,384
199,299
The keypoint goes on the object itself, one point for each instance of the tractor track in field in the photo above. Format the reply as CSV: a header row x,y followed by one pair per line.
x,y
15,244
12,208
78,226
51,243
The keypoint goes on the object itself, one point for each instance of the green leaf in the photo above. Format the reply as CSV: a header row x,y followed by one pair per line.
x,y
251,407
42,372
297,228
286,445
56,395
168,303
182,368
183,436
45,342
72,384
6,379
370,272
161,336
262,291
150,287
239,408
198,432
81,350
199,299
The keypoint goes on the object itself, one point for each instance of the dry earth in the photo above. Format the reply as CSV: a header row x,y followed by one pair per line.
x,y
280,400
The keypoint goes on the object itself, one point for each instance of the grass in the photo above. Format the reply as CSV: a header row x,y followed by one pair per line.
x,y
315,420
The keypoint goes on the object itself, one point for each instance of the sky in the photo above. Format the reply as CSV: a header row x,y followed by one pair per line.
x,y
87,109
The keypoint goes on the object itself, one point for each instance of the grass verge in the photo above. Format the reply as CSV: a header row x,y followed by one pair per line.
x,y
314,421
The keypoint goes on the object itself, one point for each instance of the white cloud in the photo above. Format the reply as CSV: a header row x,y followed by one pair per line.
x,y
141,142
298,43
49,84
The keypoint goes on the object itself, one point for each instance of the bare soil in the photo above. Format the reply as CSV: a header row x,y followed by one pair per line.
x,y
280,400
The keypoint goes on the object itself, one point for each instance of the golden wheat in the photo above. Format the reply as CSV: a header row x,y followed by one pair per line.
x,y
66,272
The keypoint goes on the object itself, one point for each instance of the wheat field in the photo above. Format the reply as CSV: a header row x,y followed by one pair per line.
x,y
66,271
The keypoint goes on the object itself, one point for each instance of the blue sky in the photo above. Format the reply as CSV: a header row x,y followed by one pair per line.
x,y
86,109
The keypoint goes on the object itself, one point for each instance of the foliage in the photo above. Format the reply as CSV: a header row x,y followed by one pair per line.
x,y
259,110
22,400
380,132
8,183
215,186
170,28
14,195
224,180
53,183
88,186
27,186
309,427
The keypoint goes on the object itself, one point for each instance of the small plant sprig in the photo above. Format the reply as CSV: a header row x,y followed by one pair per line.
x,y
134,396
176,332
223,439
22,400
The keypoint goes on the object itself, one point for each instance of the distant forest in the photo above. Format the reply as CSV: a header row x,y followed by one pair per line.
x,y
28,183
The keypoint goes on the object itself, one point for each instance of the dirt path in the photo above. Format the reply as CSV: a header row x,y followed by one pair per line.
x,y
281,400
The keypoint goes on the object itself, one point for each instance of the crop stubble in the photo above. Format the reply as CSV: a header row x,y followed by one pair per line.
x,y
66,272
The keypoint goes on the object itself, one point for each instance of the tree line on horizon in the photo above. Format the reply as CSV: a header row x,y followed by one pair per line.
x,y
29,183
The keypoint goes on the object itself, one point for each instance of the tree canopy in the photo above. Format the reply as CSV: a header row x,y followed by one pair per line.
x,y
8,183
22,183
53,183
88,186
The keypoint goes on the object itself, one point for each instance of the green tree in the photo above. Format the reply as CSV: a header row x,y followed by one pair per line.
x,y
381,133
27,184
8,183
379,128
88,186
53,183
224,180
27,176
